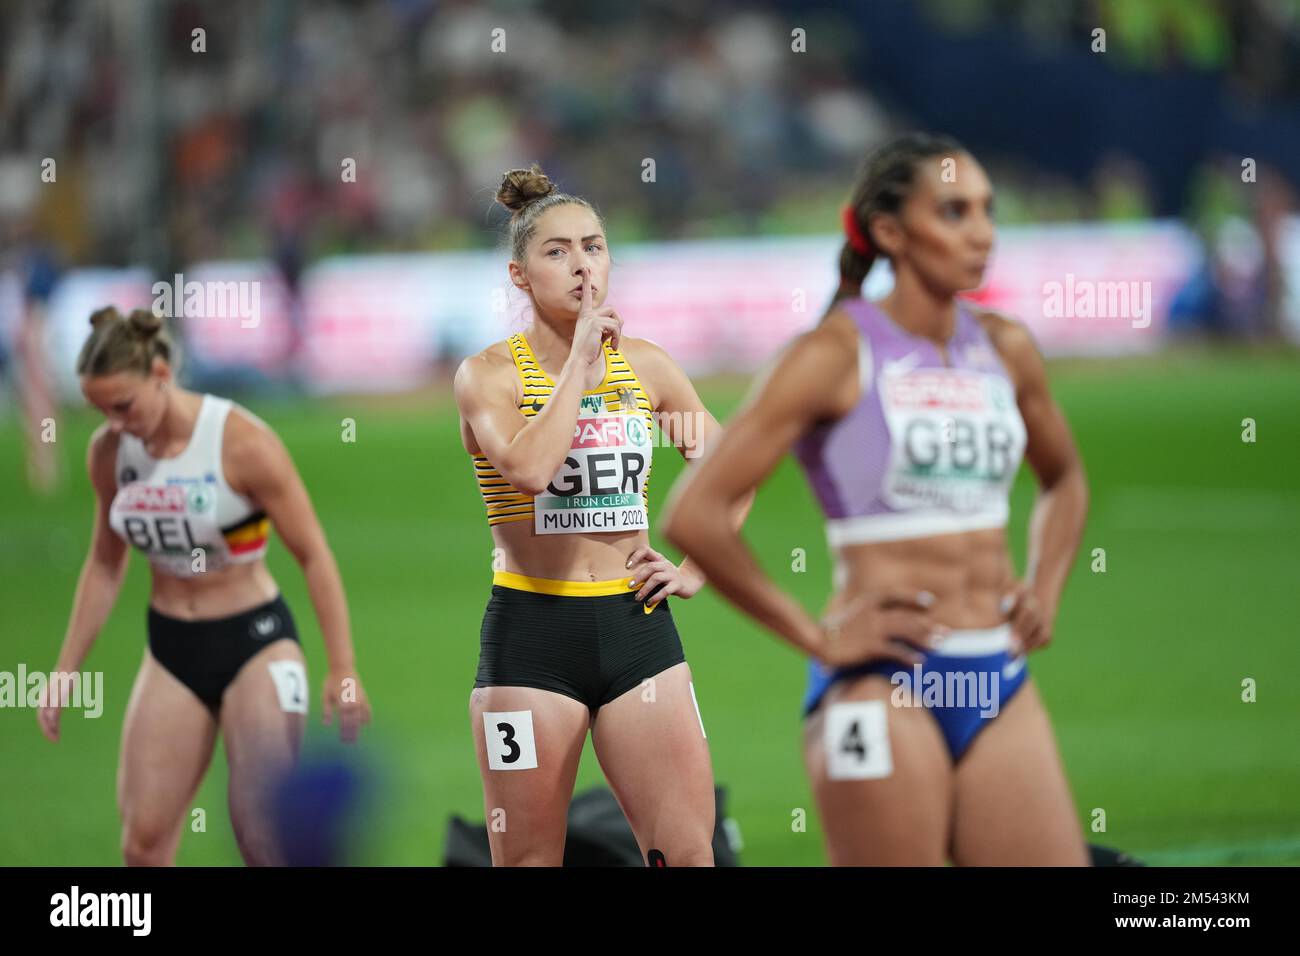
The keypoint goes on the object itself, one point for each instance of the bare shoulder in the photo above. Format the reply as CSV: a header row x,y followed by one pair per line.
x,y
244,428
826,354
643,349
837,333
1015,344
485,371
651,362
249,446
1007,335
101,458
104,443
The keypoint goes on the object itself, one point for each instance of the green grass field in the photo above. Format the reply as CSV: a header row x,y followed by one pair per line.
x,y
1144,681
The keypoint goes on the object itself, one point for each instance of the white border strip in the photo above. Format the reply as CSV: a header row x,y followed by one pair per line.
x,y
894,526
975,643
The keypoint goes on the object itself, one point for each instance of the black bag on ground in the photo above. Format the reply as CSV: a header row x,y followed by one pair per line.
x,y
1105,856
598,835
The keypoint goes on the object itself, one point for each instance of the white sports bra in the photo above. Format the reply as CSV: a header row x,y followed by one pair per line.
x,y
180,511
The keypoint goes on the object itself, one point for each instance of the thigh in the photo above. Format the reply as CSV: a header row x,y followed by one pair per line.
x,y
900,815
264,714
167,741
529,742
650,743
1013,804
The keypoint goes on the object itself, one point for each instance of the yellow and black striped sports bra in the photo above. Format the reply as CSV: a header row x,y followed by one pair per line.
x,y
604,483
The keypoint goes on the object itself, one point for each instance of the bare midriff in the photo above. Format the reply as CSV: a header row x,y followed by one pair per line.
x,y
565,557
968,573
213,594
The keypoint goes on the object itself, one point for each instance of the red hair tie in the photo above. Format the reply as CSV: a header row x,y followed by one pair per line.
x,y
857,238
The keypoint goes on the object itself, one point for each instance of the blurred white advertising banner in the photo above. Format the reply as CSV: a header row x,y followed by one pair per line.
x,y
375,323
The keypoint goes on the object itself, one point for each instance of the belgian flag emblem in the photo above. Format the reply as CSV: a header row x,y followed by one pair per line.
x,y
248,535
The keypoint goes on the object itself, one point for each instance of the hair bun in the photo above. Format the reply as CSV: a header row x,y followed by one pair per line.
x,y
144,323
107,314
519,187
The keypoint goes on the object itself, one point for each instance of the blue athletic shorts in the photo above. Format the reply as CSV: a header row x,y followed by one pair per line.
x,y
964,683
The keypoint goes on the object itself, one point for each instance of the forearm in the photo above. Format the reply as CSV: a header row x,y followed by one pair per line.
x,y
538,449
710,538
1055,530
738,515
97,590
325,586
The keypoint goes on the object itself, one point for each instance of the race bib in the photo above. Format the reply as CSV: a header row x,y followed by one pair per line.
x,y
956,438
600,485
171,522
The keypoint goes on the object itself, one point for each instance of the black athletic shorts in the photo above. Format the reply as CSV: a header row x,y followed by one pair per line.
x,y
206,655
592,641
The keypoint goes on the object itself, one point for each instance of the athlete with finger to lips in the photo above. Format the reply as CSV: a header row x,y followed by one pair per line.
x,y
578,635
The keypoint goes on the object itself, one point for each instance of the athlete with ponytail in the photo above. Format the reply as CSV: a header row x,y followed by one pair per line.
x,y
924,736
196,483
578,633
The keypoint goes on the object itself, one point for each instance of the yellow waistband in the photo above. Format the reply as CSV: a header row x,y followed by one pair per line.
x,y
522,582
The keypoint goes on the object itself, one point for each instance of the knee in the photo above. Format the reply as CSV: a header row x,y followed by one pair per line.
x,y
693,848
144,845
693,854
529,842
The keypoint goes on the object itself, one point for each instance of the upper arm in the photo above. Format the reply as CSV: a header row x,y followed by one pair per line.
x,y
788,399
258,466
101,465
679,412
489,409
1050,448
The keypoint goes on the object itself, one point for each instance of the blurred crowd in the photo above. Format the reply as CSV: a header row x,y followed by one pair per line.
x,y
252,133
1255,42
183,130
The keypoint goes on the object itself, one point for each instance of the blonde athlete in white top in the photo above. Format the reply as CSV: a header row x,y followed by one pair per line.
x,y
195,483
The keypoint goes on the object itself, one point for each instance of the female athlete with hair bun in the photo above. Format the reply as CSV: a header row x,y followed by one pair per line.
x,y
578,633
196,483
924,736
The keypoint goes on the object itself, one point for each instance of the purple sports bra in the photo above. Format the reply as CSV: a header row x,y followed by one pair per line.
x,y
929,448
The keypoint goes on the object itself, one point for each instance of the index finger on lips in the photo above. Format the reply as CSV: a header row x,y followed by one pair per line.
x,y
586,291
